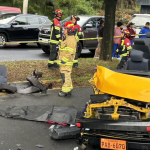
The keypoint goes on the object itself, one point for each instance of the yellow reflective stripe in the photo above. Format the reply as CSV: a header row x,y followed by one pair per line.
x,y
79,33
128,52
51,33
75,61
66,89
125,54
67,63
57,28
51,62
58,36
122,43
128,48
124,47
117,50
60,40
77,38
55,61
51,23
65,59
54,41
67,49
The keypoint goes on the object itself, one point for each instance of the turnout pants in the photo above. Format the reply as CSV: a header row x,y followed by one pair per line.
x,y
65,72
122,62
53,56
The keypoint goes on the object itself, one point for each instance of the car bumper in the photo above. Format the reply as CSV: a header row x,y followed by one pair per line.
x,y
95,142
44,41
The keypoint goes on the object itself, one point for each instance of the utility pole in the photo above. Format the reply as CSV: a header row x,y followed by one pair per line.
x,y
25,6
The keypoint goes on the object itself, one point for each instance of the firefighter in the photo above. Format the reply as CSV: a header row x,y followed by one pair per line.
x,y
78,35
66,56
123,48
55,39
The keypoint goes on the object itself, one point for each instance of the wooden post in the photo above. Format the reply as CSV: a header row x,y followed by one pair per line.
x,y
25,6
107,44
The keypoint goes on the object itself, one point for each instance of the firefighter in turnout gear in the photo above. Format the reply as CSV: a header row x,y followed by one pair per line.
x,y
78,35
123,48
66,56
55,39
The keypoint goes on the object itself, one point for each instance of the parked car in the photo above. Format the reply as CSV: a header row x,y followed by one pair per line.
x,y
89,30
6,12
22,28
140,20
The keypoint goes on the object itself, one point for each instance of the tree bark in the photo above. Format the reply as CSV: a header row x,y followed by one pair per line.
x,y
107,45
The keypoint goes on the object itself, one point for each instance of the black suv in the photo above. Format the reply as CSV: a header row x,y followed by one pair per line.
x,y
22,28
89,30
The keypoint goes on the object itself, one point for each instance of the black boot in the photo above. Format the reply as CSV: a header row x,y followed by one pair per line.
x,y
75,65
51,66
56,66
64,94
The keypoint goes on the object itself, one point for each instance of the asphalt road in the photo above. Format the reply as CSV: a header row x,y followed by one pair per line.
x,y
16,133
15,52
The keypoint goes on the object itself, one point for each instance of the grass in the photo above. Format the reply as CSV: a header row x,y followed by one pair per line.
x,y
19,70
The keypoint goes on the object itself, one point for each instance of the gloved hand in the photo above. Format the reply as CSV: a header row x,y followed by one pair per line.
x,y
116,53
62,62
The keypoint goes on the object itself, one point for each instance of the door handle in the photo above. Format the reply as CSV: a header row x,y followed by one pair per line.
x,y
25,28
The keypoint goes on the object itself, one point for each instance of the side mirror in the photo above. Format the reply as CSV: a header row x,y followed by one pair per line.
x,y
14,23
88,26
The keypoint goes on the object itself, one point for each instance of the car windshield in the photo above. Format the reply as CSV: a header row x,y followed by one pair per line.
x,y
81,22
7,20
140,20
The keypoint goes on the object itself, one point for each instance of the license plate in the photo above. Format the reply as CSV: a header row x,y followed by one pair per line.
x,y
113,144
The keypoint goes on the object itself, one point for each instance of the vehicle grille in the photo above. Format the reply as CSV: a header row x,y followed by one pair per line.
x,y
134,136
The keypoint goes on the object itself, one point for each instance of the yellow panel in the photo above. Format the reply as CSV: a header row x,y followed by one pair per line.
x,y
122,85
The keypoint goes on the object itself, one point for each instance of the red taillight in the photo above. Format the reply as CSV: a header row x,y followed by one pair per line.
x,y
78,125
148,128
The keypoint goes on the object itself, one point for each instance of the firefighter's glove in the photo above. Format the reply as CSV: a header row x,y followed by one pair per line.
x,y
63,62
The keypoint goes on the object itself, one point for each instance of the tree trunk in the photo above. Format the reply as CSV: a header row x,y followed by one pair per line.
x,y
107,45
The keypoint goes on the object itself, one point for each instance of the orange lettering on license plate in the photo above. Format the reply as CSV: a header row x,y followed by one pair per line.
x,y
113,144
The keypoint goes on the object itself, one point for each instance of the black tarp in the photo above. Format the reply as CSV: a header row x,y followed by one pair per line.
x,y
58,114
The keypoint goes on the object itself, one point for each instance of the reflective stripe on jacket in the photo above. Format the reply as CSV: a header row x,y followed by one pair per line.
x,y
124,47
56,31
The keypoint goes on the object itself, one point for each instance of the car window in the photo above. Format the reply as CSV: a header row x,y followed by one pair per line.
x,y
21,21
42,20
140,20
33,20
93,21
65,20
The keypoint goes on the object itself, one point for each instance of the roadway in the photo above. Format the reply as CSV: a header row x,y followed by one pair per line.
x,y
13,52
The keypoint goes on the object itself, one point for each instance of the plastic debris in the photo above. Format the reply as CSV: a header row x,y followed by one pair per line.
x,y
40,146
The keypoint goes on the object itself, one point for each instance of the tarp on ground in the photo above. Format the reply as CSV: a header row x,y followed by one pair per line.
x,y
57,114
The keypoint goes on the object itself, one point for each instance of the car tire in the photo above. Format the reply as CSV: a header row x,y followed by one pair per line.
x,y
79,49
46,49
92,51
3,38
23,44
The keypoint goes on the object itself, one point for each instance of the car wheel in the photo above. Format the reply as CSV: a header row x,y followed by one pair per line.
x,y
46,49
79,49
23,44
3,39
92,51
